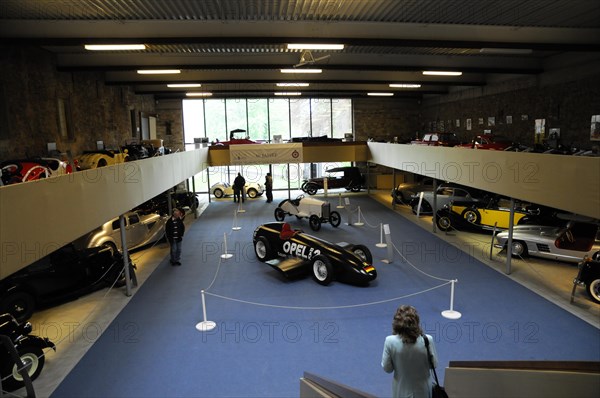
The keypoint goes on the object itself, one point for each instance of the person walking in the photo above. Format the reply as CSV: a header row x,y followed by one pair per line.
x,y
238,188
269,187
174,230
405,354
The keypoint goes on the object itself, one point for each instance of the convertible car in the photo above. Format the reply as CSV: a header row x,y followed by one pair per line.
x,y
349,178
293,252
140,230
65,274
570,243
94,159
478,216
589,277
251,189
488,141
15,171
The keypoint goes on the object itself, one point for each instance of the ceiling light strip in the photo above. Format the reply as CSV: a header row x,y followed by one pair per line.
x,y
293,70
114,47
441,73
158,71
314,46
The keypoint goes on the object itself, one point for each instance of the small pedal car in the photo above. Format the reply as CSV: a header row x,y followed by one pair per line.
x,y
317,211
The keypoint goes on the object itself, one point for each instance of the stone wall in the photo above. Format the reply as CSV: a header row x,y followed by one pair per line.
x,y
383,119
39,105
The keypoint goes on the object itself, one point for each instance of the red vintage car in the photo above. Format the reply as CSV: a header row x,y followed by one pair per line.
x,y
488,141
437,139
15,171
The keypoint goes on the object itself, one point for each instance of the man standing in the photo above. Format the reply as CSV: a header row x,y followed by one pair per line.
x,y
269,187
174,231
238,188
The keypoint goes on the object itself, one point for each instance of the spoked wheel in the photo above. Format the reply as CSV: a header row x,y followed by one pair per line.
x,y
363,253
472,216
33,357
335,219
315,222
279,214
218,193
519,248
322,270
311,189
443,223
593,289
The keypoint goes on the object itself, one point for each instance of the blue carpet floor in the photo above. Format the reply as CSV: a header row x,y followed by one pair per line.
x,y
270,330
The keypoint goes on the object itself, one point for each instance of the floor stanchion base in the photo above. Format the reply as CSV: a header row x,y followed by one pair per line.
x,y
381,244
386,261
236,228
205,326
451,314
226,255
359,224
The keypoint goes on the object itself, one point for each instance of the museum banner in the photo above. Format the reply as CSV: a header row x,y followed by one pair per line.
x,y
265,153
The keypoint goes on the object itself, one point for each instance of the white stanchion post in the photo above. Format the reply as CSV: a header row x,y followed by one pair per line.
x,y
451,314
325,186
340,205
359,223
240,210
205,325
235,226
390,248
348,212
419,205
226,255
381,243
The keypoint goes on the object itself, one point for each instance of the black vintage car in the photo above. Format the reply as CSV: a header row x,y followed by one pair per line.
x,y
303,253
349,178
160,203
589,276
65,274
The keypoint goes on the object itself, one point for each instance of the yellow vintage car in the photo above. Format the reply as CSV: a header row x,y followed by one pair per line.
x,y
101,158
478,216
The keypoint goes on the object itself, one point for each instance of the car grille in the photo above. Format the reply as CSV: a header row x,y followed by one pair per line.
x,y
543,248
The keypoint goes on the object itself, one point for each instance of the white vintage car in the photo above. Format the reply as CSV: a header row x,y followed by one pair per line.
x,y
317,211
140,230
222,189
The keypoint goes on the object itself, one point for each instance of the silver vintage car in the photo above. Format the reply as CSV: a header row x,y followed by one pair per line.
x,y
569,243
140,230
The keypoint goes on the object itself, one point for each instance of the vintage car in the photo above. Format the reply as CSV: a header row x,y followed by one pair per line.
x,y
589,277
15,171
317,211
101,158
222,189
445,194
402,194
303,253
349,178
479,216
63,275
140,230
570,243
160,203
488,141
437,139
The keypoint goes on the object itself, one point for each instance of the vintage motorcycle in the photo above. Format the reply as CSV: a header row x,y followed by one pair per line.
x,y
29,349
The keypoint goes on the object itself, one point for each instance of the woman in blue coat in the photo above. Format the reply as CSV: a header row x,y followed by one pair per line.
x,y
405,354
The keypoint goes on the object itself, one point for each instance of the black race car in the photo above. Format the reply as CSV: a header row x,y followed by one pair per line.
x,y
293,252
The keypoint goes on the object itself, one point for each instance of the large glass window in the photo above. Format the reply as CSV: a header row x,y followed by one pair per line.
x,y
300,117
341,117
321,117
237,117
258,120
193,121
214,111
279,117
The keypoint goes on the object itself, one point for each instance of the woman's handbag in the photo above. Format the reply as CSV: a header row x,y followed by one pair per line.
x,y
437,391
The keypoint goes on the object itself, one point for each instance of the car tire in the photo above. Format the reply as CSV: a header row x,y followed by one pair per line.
x,y
110,246
519,248
593,290
315,222
33,357
425,207
363,252
19,304
443,223
322,270
252,193
101,163
279,214
311,189
355,189
472,216
218,192
335,219
262,249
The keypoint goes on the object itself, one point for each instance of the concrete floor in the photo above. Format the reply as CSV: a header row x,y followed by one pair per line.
x,y
76,325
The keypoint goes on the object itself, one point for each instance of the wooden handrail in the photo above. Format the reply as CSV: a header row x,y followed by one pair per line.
x,y
563,366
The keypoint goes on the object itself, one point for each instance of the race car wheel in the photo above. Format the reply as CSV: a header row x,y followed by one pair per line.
x,y
593,289
33,357
311,189
363,252
19,304
279,214
519,248
443,223
218,193
335,219
322,270
262,248
472,215
252,193
315,222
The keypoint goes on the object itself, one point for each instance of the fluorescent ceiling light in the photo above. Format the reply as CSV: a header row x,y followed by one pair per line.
x,y
198,94
381,94
293,84
514,51
287,93
158,71
184,85
315,46
293,70
114,47
441,73
404,85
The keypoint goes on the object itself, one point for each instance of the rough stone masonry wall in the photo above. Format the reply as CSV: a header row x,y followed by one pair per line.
x,y
29,106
